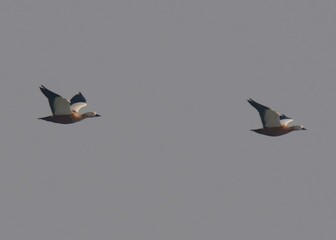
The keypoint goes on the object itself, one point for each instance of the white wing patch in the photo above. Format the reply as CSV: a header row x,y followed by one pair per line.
x,y
77,106
286,121
272,118
61,106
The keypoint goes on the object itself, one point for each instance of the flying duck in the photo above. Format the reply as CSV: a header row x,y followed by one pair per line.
x,y
65,111
274,123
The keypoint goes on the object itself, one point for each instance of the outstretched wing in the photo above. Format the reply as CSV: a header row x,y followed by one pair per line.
x,y
77,102
284,120
58,104
269,117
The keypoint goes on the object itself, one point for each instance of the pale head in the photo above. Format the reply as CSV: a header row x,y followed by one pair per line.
x,y
90,115
298,127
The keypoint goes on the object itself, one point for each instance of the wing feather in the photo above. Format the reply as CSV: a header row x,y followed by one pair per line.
x,y
61,106
269,117
78,98
77,106
272,118
284,120
58,104
77,102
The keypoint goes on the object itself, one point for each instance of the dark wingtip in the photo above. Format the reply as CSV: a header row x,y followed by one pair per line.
x,y
78,98
250,101
283,116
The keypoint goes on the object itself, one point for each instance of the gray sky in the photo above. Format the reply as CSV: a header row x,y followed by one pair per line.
x,y
172,156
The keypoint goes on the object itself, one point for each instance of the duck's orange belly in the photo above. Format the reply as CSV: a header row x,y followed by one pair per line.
x,y
64,119
273,132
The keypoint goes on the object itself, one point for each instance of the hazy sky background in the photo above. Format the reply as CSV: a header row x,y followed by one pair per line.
x,y
172,157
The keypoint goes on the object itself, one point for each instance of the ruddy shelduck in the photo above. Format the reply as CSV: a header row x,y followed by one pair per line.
x,y
65,111
274,123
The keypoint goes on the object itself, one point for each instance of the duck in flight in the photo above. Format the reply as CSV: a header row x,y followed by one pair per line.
x,y
65,111
274,123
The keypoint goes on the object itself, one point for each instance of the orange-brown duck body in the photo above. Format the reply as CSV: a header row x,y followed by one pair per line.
x,y
65,111
274,123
